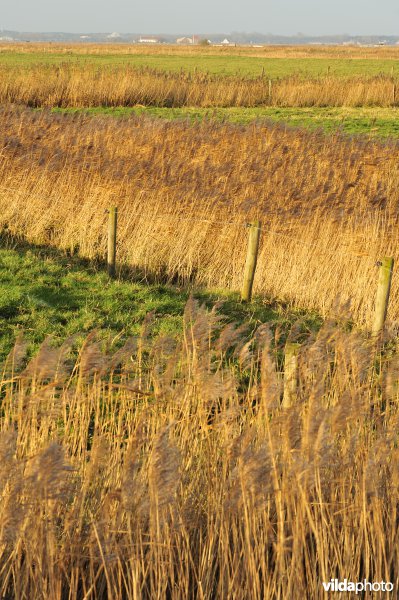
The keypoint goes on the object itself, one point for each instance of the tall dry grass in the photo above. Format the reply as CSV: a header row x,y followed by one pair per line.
x,y
328,205
88,86
168,468
267,51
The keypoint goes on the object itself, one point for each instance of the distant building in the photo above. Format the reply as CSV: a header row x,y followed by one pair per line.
x,y
149,40
184,41
194,39
114,36
226,42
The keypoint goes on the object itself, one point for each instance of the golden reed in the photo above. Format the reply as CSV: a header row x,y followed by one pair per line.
x,y
168,467
184,193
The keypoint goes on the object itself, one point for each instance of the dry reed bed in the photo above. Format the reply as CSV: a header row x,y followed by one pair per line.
x,y
269,51
168,467
86,86
185,192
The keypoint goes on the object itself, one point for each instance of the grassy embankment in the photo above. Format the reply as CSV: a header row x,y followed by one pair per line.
x,y
373,122
45,292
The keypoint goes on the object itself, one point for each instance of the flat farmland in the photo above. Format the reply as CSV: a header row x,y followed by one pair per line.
x,y
276,62
269,80
160,437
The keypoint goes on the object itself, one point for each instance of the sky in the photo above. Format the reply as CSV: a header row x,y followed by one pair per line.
x,y
284,17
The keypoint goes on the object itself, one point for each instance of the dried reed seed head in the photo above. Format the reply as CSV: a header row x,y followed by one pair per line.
x,y
16,357
377,470
13,513
199,325
8,445
134,489
123,356
215,389
99,461
245,354
230,336
164,470
302,472
47,474
166,356
49,362
269,380
93,360
250,478
291,429
146,328
228,418
164,347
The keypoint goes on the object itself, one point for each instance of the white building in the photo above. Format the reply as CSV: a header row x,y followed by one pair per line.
x,y
148,40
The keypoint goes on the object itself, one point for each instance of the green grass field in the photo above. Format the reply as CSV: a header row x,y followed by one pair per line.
x,y
379,122
44,292
215,64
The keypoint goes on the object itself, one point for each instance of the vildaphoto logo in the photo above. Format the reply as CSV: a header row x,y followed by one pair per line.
x,y
334,585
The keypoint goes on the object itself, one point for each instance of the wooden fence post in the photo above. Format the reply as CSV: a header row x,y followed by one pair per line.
x,y
270,91
112,225
252,258
290,373
383,290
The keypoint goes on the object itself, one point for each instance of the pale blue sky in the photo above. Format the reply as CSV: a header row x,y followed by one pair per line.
x,y
356,17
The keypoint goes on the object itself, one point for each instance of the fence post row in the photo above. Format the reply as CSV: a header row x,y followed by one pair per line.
x,y
112,225
252,258
384,277
383,291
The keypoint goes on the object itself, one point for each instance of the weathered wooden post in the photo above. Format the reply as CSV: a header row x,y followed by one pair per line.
x,y
383,291
112,225
270,91
252,258
290,373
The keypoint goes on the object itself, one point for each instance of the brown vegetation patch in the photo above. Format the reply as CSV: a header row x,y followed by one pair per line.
x,y
170,469
328,205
